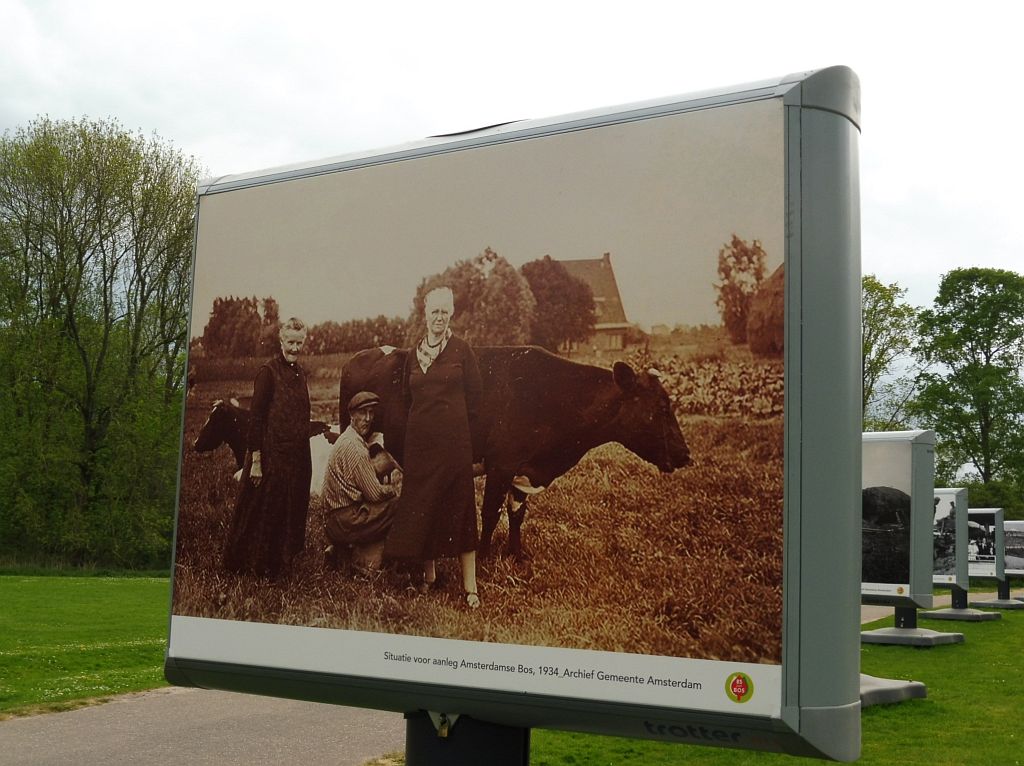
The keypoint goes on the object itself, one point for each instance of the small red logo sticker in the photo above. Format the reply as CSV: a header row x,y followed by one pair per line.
x,y
739,687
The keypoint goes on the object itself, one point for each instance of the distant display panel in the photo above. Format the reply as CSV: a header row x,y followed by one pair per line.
x,y
950,537
1013,532
985,551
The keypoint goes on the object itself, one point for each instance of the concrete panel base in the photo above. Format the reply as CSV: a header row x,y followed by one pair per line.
x,y
910,637
1000,603
885,691
963,615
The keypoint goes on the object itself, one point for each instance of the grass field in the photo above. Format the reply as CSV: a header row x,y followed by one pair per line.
x,y
65,640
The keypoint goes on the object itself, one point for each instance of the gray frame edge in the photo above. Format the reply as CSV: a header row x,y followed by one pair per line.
x,y
522,129
1001,545
922,512
503,708
834,89
824,443
181,437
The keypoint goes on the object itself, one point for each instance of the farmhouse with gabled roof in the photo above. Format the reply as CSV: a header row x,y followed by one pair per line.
x,y
610,329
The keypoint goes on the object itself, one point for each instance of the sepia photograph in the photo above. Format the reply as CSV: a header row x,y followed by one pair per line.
x,y
523,393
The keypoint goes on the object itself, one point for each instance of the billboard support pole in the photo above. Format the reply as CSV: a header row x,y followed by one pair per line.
x,y
906,617
959,598
463,741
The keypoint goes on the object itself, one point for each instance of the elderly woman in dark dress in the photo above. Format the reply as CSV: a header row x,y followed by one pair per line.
x,y
269,523
436,514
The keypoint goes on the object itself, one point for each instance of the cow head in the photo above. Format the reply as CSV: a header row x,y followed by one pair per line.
x,y
645,423
222,425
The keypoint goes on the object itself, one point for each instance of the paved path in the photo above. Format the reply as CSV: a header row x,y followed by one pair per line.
x,y
199,727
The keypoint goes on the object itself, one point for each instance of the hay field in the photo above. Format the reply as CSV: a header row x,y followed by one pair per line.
x,y
621,557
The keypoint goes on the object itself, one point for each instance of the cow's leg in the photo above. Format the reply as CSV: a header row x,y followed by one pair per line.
x,y
516,514
497,486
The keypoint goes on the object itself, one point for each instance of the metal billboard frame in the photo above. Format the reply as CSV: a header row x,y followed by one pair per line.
x,y
820,703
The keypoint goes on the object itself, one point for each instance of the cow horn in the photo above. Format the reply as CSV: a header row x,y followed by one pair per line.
x,y
654,372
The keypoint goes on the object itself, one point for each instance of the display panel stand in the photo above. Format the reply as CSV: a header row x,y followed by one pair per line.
x,y
1003,599
959,610
886,691
906,632
454,740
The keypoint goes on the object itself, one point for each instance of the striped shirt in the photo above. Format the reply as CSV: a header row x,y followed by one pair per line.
x,y
350,478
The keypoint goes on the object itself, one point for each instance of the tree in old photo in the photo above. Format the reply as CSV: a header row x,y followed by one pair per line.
x,y
565,304
741,269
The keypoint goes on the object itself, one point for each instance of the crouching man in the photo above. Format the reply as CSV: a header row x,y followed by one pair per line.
x,y
360,487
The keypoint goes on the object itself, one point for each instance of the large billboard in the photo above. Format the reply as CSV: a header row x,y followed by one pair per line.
x,y
649,468
986,546
896,515
949,537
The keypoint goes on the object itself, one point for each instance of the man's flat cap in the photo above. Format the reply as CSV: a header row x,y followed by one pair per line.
x,y
362,400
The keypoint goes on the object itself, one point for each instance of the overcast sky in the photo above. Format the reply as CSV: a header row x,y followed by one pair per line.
x,y
249,85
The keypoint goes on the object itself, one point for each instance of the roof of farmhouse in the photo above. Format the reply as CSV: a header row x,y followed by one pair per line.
x,y
598,273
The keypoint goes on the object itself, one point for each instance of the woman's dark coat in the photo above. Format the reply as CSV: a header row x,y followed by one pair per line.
x,y
269,524
436,514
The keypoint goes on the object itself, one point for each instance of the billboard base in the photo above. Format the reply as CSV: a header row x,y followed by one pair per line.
x,y
910,637
964,615
885,691
1000,603
906,632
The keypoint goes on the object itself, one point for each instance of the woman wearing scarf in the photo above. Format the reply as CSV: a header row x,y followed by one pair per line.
x,y
436,514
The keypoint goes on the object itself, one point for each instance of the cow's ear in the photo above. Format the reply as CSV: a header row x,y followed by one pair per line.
x,y
624,376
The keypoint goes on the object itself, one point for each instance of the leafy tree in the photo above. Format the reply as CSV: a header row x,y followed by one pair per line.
x,y
888,337
741,268
1005,494
565,304
95,246
236,327
974,334
355,335
493,302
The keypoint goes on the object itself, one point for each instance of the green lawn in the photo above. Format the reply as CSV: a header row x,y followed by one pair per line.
x,y
68,639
